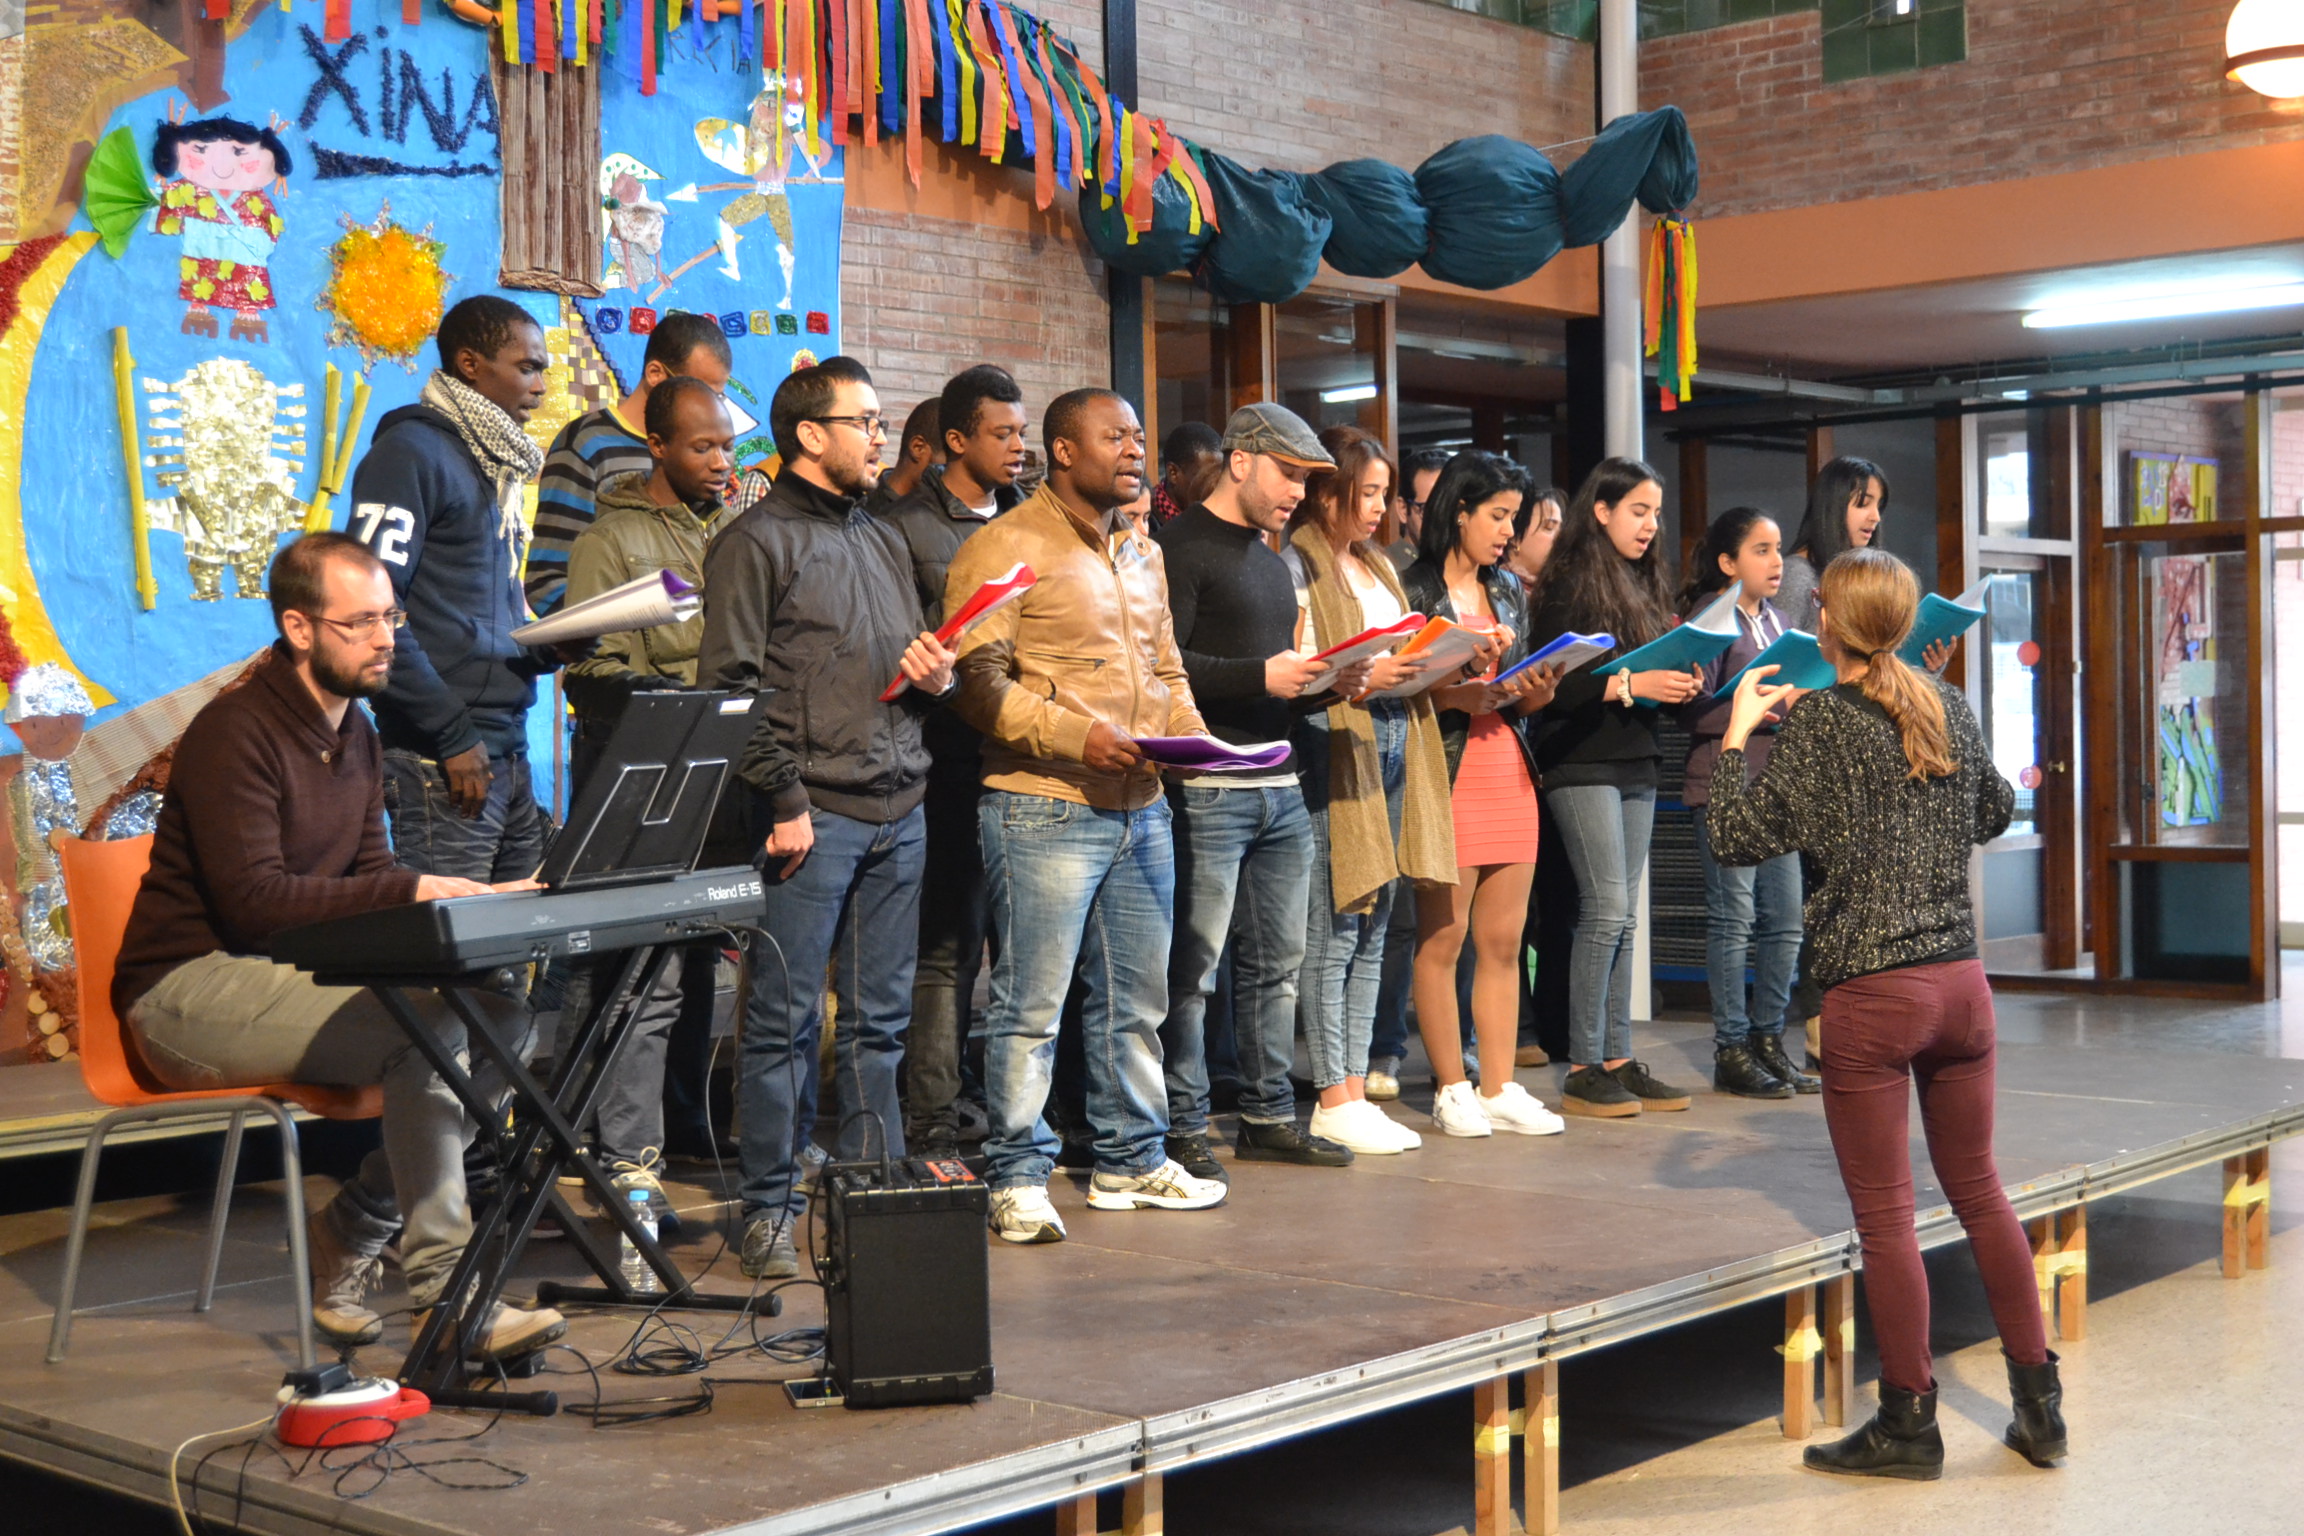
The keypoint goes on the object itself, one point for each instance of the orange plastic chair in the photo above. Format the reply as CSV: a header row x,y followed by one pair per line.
x,y
100,884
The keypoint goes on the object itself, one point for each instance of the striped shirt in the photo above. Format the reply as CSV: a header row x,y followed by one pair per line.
x,y
590,451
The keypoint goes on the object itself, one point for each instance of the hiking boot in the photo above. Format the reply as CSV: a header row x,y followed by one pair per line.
x,y
1901,1440
342,1277
1768,1050
1193,1154
1286,1142
1737,1070
511,1332
770,1253
1651,1093
1594,1092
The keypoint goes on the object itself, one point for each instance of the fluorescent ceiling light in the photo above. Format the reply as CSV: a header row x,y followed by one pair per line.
x,y
1348,394
2162,306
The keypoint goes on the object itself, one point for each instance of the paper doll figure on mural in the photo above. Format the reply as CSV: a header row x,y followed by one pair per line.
x,y
221,181
635,224
759,149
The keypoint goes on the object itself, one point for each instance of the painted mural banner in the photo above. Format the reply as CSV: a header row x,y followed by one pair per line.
x,y
232,246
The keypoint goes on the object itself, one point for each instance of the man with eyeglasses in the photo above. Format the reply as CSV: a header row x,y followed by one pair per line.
x,y
1419,472
809,601
275,817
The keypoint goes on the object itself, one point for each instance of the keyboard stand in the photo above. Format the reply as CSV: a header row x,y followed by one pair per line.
x,y
541,1143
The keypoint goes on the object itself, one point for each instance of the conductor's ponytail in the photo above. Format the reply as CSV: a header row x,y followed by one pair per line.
x,y
1870,599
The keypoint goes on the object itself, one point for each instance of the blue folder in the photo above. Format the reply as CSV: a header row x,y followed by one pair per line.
x,y
1798,661
1943,619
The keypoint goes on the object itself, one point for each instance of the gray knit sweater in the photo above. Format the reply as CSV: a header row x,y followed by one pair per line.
x,y
1888,854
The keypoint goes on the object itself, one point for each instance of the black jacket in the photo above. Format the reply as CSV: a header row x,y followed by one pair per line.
x,y
933,524
1427,589
1584,737
428,510
810,601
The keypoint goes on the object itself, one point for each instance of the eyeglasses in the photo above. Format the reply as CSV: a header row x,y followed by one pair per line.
x,y
361,625
1413,508
871,423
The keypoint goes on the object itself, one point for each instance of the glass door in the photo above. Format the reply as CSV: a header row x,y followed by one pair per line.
x,y
2022,677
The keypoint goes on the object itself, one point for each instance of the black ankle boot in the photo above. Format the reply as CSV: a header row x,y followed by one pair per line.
x,y
1735,1071
1901,1441
2038,1433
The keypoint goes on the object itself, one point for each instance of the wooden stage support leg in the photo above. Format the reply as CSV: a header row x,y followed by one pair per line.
x,y
1541,1448
1140,1507
1839,1349
2247,1212
1077,1517
2060,1265
1800,1349
1492,1457
2072,1279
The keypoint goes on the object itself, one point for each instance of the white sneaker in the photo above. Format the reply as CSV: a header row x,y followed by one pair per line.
x,y
1456,1110
1409,1141
1516,1109
1167,1187
1347,1126
1024,1215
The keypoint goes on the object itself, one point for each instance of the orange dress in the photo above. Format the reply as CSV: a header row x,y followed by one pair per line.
x,y
1493,802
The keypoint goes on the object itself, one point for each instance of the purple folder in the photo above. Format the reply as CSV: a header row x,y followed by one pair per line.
x,y
1205,754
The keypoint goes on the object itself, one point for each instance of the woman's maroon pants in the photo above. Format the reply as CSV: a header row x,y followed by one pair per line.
x,y
1930,1025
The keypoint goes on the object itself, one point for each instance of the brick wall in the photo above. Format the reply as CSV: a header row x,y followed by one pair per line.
x,y
1303,84
2048,86
1297,86
2194,425
924,298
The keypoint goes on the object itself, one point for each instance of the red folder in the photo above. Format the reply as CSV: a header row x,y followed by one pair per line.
x,y
989,598
1367,643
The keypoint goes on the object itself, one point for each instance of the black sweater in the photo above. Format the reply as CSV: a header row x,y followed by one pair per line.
x,y
1887,853
1584,737
1235,609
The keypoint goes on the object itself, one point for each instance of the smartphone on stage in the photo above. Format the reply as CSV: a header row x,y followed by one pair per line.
x,y
813,1392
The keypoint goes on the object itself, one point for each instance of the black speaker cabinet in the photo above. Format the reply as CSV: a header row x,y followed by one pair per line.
x,y
907,1291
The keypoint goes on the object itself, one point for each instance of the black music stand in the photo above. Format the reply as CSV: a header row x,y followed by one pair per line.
x,y
642,815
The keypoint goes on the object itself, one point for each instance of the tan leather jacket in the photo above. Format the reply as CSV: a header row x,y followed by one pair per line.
x,y
1091,641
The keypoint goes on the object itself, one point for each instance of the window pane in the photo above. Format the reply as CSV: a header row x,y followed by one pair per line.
x,y
2011,689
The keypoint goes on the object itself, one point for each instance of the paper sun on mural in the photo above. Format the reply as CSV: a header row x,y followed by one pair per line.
x,y
385,290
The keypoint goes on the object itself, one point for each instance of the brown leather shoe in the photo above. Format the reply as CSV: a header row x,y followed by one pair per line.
x,y
1530,1056
511,1331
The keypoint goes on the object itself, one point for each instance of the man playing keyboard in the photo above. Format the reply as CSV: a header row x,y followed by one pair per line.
x,y
274,818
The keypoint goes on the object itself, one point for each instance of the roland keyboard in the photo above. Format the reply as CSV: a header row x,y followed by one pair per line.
x,y
479,933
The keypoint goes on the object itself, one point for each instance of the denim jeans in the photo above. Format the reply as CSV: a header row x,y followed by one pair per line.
x,y
1605,831
951,953
1344,951
230,1021
1752,911
853,905
1243,866
1073,885
504,842
1388,1038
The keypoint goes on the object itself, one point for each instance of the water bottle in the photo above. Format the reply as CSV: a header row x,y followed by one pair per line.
x,y
638,1275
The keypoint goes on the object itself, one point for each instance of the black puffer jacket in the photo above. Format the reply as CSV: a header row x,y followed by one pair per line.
x,y
1427,590
811,602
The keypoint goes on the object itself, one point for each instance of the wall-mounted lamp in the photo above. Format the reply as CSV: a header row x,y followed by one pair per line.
x,y
2264,47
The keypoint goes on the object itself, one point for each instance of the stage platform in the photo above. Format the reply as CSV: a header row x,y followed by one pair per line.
x,y
1151,1341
